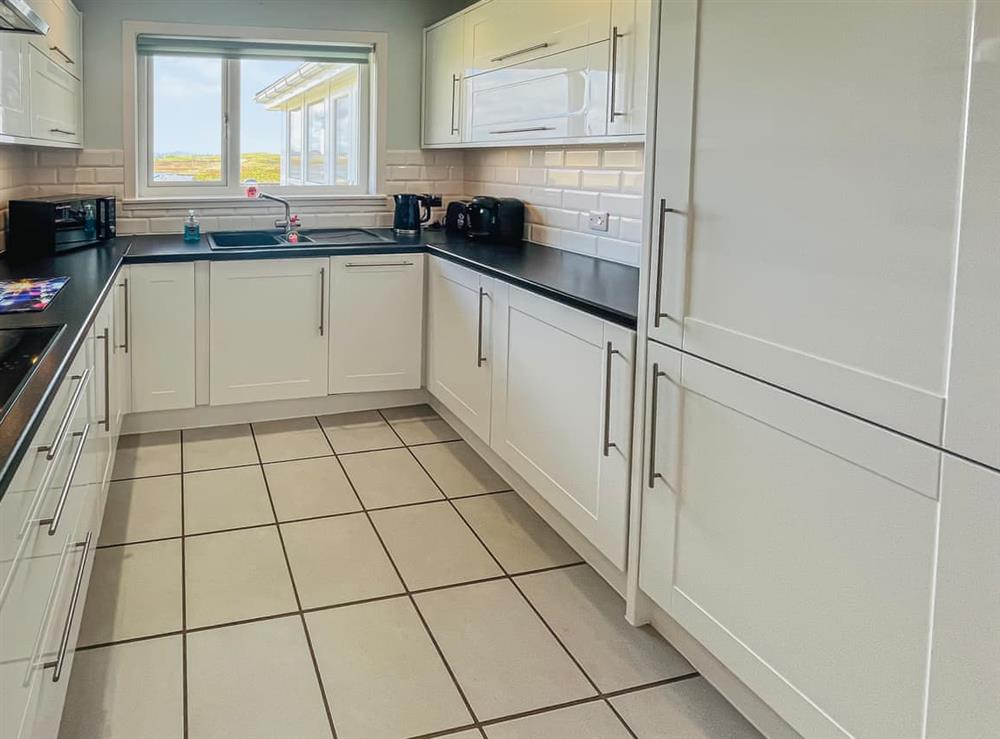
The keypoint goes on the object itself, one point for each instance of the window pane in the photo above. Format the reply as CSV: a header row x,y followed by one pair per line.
x,y
343,165
186,90
261,129
316,166
295,144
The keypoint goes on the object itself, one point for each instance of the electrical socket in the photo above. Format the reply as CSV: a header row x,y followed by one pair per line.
x,y
598,221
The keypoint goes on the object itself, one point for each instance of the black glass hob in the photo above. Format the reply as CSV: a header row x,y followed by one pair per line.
x,y
21,349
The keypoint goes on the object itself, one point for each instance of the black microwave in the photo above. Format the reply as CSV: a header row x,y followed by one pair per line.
x,y
57,223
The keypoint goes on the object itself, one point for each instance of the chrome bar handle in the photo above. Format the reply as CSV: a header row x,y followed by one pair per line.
x,y
614,72
71,613
658,302
53,523
608,444
653,400
106,338
454,81
52,449
351,265
479,339
62,130
322,301
509,54
125,313
524,130
63,54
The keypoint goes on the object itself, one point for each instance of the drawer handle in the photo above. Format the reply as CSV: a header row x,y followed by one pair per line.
x,y
524,130
106,338
525,50
62,130
68,626
63,54
608,444
53,523
653,474
52,449
480,359
352,265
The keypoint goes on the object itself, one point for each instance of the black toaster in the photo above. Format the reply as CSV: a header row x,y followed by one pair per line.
x,y
456,217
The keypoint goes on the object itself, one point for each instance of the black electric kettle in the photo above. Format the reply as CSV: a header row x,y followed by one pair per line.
x,y
411,211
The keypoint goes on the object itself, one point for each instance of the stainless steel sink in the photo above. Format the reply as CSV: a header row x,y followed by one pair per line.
x,y
317,237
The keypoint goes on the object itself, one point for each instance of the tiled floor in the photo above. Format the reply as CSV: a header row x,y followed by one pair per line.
x,y
363,576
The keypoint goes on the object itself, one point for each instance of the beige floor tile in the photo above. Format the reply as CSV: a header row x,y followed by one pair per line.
x,y
390,477
338,560
458,470
254,680
309,487
142,509
516,535
503,656
692,709
432,546
236,575
419,424
383,676
225,499
135,590
127,690
467,734
585,721
218,446
589,617
143,455
363,431
295,438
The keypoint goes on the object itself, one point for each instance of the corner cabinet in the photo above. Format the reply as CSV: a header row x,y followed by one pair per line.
x,y
562,411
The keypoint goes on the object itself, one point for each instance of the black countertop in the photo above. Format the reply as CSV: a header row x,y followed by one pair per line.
x,y
605,289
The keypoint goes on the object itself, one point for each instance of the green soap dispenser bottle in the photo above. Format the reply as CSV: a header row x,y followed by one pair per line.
x,y
192,229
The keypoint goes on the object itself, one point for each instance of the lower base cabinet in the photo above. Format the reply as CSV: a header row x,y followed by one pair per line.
x,y
562,410
795,543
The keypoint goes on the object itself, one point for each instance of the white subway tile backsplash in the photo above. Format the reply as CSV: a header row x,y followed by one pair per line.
x,y
580,200
630,229
601,179
623,158
110,175
629,206
528,176
563,178
550,158
632,182
617,250
582,158
506,175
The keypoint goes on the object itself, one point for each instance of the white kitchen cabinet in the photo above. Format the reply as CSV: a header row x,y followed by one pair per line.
x,y
794,542
376,322
64,41
562,410
815,248
442,102
56,100
629,68
563,95
460,342
15,114
504,32
965,656
269,330
159,335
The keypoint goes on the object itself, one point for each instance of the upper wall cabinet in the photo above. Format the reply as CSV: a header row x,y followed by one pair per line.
x,y
517,71
64,41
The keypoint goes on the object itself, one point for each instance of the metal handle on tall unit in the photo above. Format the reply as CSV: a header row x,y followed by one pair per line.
x,y
653,399
455,79
524,130
658,302
106,338
62,130
74,600
614,72
63,54
608,444
322,301
479,339
53,523
124,285
525,50
53,448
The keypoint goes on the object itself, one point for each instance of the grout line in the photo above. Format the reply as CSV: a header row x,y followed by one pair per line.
x,y
295,589
184,655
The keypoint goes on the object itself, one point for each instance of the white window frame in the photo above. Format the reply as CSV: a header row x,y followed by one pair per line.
x,y
138,150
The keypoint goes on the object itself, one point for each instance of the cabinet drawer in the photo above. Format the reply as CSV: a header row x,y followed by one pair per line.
x,y
55,100
498,34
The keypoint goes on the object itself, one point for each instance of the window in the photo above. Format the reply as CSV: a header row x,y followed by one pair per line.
x,y
218,114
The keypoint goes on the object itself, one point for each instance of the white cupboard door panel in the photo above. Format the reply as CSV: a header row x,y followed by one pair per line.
x,y
965,657
630,20
825,198
460,347
443,82
807,573
160,335
64,41
376,322
563,396
55,100
972,426
558,96
505,32
269,330
14,79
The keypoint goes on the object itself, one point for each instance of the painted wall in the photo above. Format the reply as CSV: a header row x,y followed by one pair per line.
x,y
404,21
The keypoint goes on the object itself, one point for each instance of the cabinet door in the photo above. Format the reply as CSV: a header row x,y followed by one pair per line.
x,y
376,322
443,82
160,335
64,41
501,33
563,405
558,96
627,93
55,100
802,550
459,347
14,76
820,229
269,330
965,663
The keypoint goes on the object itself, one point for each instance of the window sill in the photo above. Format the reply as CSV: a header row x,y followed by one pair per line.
x,y
355,202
